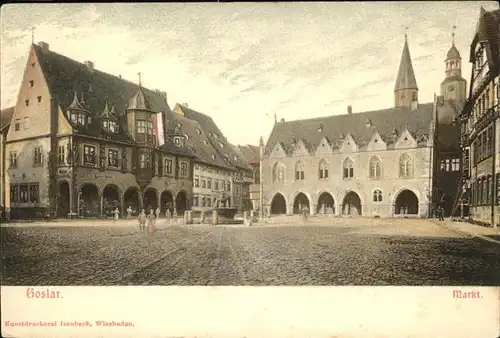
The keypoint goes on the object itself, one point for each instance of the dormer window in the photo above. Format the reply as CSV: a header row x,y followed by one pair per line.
x,y
110,126
198,131
81,119
213,157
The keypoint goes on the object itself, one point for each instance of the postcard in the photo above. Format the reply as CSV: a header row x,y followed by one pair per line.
x,y
284,169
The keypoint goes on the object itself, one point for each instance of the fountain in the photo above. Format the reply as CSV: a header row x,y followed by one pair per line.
x,y
222,213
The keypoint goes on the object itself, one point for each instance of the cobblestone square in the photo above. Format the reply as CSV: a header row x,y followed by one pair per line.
x,y
344,251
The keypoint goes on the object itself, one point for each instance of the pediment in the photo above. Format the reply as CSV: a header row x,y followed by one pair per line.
x,y
324,147
348,145
278,151
376,143
300,148
405,140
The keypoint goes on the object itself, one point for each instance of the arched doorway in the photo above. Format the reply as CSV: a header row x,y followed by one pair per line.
x,y
131,199
278,205
150,199
351,204
166,200
299,202
63,207
181,203
90,204
110,199
406,203
326,204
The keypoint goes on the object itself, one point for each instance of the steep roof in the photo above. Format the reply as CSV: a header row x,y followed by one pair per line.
x,y
94,88
215,136
335,127
406,75
198,142
488,29
251,153
6,117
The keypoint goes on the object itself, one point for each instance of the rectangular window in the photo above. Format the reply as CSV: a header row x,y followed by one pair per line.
x,y
14,193
89,155
13,159
37,158
81,119
203,183
196,182
34,193
455,164
209,202
216,185
26,123
184,169
195,201
142,161
150,128
61,154
32,83
168,166
209,184
73,117
113,158
17,125
24,193
141,127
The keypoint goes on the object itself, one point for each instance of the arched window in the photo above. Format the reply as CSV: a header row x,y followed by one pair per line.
x,y
323,170
299,171
278,172
405,166
348,168
375,167
377,195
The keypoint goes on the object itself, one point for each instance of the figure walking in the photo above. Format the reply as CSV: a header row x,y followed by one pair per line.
x,y
167,216
142,220
440,212
151,222
157,213
305,211
129,212
117,214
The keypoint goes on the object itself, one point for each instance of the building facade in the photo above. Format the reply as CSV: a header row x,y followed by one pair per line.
x,y
375,163
219,167
480,139
84,142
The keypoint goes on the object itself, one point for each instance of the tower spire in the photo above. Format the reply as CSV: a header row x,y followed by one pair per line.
x,y
406,75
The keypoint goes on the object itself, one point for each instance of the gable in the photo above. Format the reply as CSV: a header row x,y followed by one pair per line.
x,y
376,143
33,109
300,149
348,145
324,147
405,141
278,151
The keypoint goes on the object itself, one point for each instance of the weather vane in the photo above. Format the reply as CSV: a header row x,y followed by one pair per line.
x,y
406,31
32,35
139,74
453,34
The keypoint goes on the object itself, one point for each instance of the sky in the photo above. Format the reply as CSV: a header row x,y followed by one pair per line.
x,y
244,63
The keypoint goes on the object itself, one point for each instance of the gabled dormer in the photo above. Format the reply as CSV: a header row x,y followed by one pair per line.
x,y
348,144
109,121
376,143
405,140
278,151
300,148
178,137
77,114
324,147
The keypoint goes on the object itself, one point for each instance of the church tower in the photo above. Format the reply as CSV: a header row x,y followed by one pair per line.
x,y
454,86
405,89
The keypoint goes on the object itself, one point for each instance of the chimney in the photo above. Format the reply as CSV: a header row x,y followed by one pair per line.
x,y
185,105
90,66
120,76
282,120
164,95
349,109
44,46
